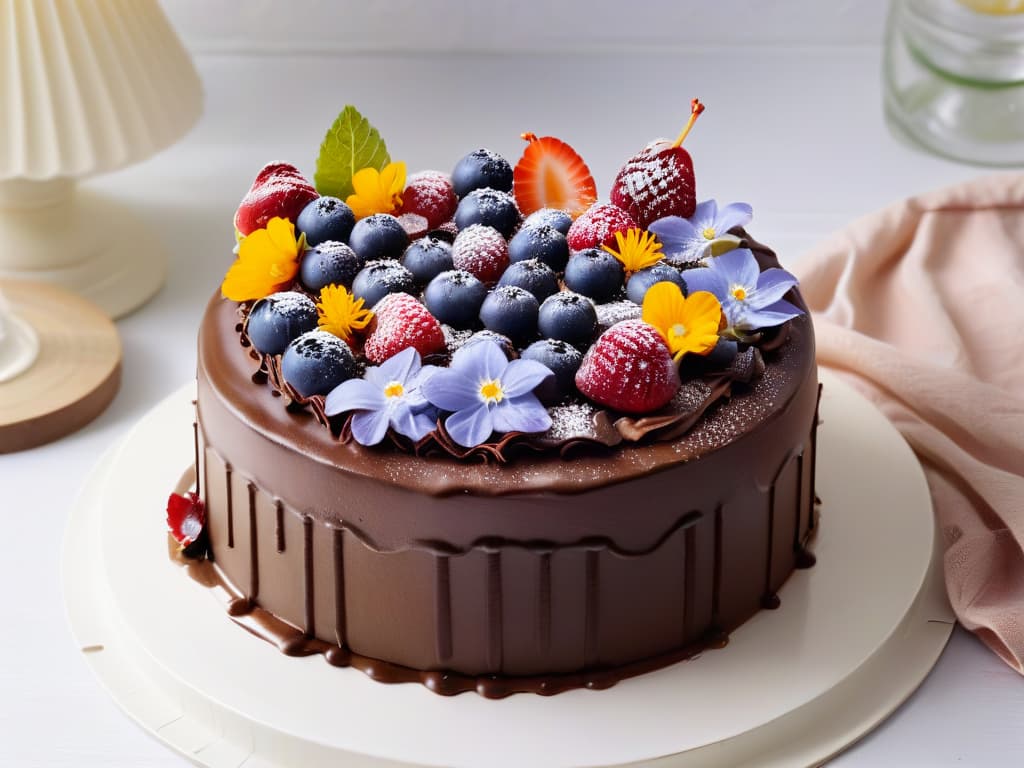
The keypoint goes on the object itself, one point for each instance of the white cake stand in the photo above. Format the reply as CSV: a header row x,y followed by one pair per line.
x,y
854,637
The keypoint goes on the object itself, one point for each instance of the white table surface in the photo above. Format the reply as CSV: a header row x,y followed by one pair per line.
x,y
797,132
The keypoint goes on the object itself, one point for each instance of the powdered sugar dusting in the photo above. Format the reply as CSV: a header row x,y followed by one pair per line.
x,y
616,311
571,421
481,251
292,304
598,225
655,183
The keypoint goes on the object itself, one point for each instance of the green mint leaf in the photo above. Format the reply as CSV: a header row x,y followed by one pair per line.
x,y
350,145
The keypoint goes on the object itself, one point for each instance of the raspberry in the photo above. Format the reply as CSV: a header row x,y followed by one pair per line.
x,y
629,369
598,225
401,322
481,251
430,194
278,190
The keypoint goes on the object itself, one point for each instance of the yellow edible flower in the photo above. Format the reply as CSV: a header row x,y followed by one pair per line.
x,y
268,260
637,250
377,191
687,323
341,313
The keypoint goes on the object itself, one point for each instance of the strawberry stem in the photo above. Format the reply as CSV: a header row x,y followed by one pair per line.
x,y
695,109
528,136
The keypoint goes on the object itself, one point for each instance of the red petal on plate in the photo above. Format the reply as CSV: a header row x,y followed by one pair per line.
x,y
186,517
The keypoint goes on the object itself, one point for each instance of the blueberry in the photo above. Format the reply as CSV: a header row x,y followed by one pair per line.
x,y
722,355
511,311
454,297
316,362
533,276
379,236
326,218
379,278
481,168
542,242
551,217
426,258
277,319
490,207
568,316
504,342
563,359
329,263
640,282
594,273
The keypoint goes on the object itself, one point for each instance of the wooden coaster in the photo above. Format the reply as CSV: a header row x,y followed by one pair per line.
x,y
76,375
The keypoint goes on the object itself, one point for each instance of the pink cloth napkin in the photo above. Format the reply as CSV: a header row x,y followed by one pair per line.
x,y
921,307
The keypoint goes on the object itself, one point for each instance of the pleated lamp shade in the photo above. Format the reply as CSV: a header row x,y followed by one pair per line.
x,y
86,86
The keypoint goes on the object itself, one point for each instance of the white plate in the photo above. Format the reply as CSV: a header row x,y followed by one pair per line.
x,y
855,635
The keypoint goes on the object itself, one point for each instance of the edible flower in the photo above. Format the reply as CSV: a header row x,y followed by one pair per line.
x,y
186,517
636,250
751,299
340,312
704,234
377,191
687,323
486,393
267,262
388,395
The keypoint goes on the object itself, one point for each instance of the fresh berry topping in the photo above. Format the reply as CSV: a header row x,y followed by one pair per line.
x,y
550,174
479,169
426,258
431,195
594,273
658,181
186,517
402,322
629,368
379,278
504,342
415,226
446,232
379,236
560,220
563,360
329,263
279,318
490,207
542,242
511,311
326,218
640,281
454,297
569,317
481,251
722,356
533,276
316,362
279,190
598,226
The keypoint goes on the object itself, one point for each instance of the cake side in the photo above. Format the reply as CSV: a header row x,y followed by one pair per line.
x,y
520,581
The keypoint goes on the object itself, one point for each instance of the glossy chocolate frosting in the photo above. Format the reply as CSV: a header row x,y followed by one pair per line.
x,y
528,574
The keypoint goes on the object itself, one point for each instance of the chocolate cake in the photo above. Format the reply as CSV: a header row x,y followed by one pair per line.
x,y
441,502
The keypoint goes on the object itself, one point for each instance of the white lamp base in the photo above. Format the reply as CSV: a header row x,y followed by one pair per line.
x,y
53,232
19,345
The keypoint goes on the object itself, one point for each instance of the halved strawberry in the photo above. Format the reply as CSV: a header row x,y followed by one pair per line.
x,y
550,174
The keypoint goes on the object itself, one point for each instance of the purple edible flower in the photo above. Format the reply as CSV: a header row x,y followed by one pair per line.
x,y
486,393
704,234
389,395
751,299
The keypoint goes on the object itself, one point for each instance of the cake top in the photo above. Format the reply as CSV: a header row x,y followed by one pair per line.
x,y
426,314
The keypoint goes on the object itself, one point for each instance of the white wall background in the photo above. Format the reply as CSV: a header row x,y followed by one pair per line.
x,y
317,26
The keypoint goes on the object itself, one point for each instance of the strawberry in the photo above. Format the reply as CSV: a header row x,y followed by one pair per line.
x,y
658,181
430,194
550,174
598,226
186,517
279,190
629,369
400,321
